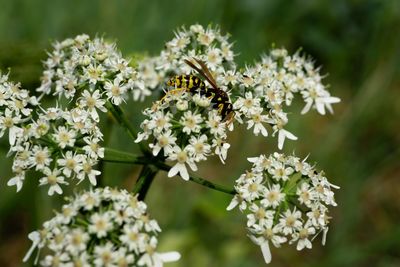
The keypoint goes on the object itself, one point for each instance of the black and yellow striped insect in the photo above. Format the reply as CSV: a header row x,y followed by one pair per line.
x,y
194,85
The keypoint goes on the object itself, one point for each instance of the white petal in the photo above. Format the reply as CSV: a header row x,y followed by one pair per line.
x,y
93,180
300,245
307,106
266,251
156,150
253,159
183,172
12,135
332,100
284,134
173,171
58,189
325,231
94,115
290,136
320,106
17,182
170,256
192,165
233,204
281,138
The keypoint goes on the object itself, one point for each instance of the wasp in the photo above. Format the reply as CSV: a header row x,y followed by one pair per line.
x,y
194,85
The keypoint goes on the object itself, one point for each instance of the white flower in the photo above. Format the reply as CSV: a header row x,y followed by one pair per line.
x,y
221,148
160,121
17,180
71,163
92,102
306,194
105,255
259,216
268,234
213,58
273,196
9,121
215,125
89,200
64,137
54,179
93,149
133,238
182,158
115,91
199,147
246,105
206,37
40,157
153,258
165,141
290,221
280,171
94,238
302,236
77,241
100,224
95,73
319,98
191,122
87,170
257,120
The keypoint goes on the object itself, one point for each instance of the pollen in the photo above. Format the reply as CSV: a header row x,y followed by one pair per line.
x,y
182,157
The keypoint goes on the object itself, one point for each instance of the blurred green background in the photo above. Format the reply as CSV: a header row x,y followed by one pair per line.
x,y
357,43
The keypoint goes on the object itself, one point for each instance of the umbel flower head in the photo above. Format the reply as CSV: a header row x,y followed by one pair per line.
x,y
285,200
184,129
205,44
44,140
62,145
83,63
259,92
101,227
16,105
267,87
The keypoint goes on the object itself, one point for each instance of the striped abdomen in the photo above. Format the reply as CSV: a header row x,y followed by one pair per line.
x,y
188,82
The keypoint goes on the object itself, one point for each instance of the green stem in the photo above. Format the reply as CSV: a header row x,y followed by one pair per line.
x,y
116,156
106,139
198,180
146,177
112,155
119,115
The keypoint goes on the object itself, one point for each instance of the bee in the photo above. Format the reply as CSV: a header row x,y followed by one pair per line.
x,y
194,85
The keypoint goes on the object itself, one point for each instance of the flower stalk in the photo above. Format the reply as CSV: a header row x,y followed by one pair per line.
x,y
121,118
116,156
143,183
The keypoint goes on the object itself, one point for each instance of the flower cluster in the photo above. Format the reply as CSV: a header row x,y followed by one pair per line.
x,y
65,142
269,85
91,64
103,227
206,44
186,130
15,107
279,76
286,200
59,144
259,93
